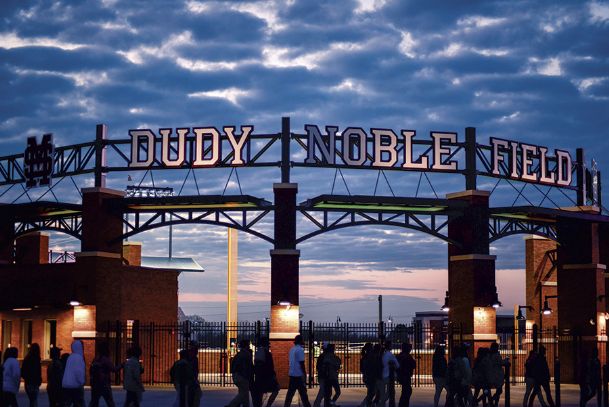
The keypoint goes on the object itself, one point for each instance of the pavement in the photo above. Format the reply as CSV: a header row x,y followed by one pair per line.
x,y
351,397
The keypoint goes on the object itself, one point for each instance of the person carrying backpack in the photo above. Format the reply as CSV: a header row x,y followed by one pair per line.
x,y
181,375
265,378
407,364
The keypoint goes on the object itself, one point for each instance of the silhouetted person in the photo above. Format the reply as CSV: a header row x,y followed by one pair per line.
x,y
590,377
297,373
390,364
458,378
404,373
541,374
496,372
265,378
99,375
480,376
529,381
438,372
31,371
370,368
11,376
54,376
331,366
73,382
195,388
133,377
321,376
242,371
181,374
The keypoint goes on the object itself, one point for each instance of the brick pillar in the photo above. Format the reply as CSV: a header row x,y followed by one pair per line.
x,y
132,253
7,239
101,226
284,279
471,271
581,291
540,280
32,248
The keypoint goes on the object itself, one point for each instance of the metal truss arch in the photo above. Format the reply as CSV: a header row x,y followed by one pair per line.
x,y
432,226
500,228
70,226
237,221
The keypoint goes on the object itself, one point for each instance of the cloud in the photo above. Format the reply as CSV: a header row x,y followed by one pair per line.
x,y
10,40
599,12
233,95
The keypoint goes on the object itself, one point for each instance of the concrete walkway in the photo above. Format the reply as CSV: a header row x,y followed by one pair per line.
x,y
351,397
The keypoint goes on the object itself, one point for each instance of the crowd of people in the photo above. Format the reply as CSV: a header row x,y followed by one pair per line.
x,y
254,376
66,376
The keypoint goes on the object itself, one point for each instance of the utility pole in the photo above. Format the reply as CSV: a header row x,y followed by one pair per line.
x,y
380,308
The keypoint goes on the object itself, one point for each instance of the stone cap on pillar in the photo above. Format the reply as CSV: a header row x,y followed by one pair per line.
x,y
285,185
285,252
465,257
535,237
467,193
108,191
582,208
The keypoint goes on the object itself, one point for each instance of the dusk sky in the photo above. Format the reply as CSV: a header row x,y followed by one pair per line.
x,y
532,71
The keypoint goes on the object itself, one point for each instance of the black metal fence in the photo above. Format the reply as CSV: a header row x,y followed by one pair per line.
x,y
217,344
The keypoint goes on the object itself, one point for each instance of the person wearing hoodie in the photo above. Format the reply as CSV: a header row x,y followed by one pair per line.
x,y
54,375
11,377
31,371
99,374
73,382
133,377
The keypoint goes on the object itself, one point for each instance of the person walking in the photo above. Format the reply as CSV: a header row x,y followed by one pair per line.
x,y
54,377
331,365
496,372
99,375
297,373
541,375
390,364
181,375
438,373
458,378
242,371
529,382
590,377
404,373
133,377
265,378
31,371
370,368
73,382
11,377
480,374
195,387
321,377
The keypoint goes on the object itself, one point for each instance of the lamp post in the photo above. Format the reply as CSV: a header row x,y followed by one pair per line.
x,y
545,310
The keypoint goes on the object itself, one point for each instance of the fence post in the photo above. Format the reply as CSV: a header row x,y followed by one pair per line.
x,y
152,355
515,342
557,382
605,385
311,354
117,352
508,371
535,337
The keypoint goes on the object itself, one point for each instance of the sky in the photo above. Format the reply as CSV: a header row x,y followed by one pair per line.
x,y
532,71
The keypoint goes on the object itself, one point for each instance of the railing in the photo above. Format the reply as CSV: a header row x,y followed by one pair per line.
x,y
61,257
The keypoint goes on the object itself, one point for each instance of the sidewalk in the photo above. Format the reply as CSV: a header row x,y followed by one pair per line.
x,y
351,397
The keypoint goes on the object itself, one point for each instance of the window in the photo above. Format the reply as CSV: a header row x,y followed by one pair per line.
x,y
26,336
7,332
50,337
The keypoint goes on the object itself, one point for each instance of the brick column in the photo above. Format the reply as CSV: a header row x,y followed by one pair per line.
x,y
581,291
284,279
101,226
540,280
7,239
471,271
32,248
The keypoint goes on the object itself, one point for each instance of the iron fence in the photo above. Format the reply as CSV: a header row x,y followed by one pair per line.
x,y
217,344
